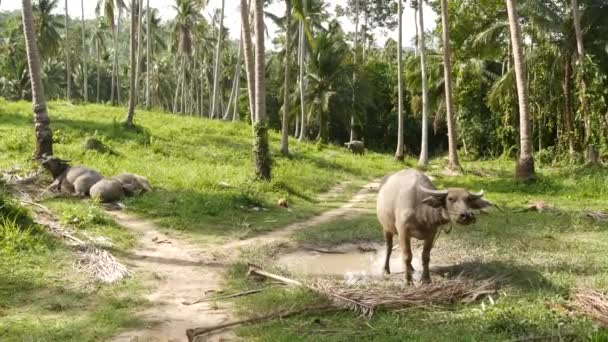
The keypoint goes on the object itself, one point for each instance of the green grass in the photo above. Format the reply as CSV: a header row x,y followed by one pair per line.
x,y
201,169
542,257
43,297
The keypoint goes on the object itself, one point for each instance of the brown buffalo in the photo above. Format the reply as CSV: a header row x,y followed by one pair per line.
x,y
409,205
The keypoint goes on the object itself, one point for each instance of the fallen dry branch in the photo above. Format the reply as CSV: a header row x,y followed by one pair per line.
x,y
322,250
592,303
193,334
366,300
233,295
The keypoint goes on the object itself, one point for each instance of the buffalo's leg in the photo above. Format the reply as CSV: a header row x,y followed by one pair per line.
x,y
426,258
388,238
406,253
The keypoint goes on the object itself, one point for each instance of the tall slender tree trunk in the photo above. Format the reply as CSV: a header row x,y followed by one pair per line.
x,y
148,37
525,164
424,145
179,63
399,155
447,72
285,122
98,53
68,70
85,86
568,110
114,64
260,144
216,68
139,49
42,123
116,56
356,53
237,74
235,113
132,66
301,84
248,50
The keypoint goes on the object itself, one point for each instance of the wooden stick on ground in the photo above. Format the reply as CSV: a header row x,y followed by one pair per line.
x,y
257,270
233,295
194,333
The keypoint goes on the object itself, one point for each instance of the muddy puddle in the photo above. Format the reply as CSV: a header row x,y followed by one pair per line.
x,y
349,263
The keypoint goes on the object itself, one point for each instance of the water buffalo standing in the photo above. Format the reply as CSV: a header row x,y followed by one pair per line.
x,y
409,205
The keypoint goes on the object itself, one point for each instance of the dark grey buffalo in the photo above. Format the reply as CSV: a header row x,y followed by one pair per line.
x,y
409,206
356,147
73,179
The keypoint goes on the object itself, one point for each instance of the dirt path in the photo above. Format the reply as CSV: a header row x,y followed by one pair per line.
x,y
179,272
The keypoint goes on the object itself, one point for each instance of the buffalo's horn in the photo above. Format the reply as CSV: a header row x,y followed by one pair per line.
x,y
476,195
436,193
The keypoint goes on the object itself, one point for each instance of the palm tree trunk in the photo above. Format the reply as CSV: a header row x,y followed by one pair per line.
x,y
132,66
261,152
85,85
568,110
235,113
98,52
139,49
354,96
67,55
285,122
525,164
216,68
179,65
114,63
399,153
424,145
148,37
447,72
249,64
42,123
301,84
116,56
237,72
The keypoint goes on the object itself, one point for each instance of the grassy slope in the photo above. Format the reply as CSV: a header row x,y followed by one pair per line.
x,y
543,255
43,298
187,160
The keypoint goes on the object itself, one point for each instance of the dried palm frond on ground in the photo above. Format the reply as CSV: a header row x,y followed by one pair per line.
x,y
592,303
599,216
369,298
366,299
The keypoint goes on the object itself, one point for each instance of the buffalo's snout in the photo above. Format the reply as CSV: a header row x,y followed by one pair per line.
x,y
466,217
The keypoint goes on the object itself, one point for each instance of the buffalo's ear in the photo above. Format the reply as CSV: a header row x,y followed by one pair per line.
x,y
480,203
435,201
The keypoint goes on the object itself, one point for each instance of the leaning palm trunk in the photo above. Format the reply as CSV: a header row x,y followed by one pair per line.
x,y
424,145
42,128
235,112
216,68
67,55
525,164
301,84
285,122
261,153
133,66
85,86
114,64
116,55
98,53
447,72
237,74
399,153
248,52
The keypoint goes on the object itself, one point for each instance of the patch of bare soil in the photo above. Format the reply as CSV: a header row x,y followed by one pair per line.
x,y
179,273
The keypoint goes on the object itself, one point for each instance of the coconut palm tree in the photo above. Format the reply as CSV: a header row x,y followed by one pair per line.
x,y
249,58
110,7
424,145
67,55
139,49
147,54
42,123
285,122
85,86
447,75
399,153
99,41
216,68
261,149
132,65
525,165
48,27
